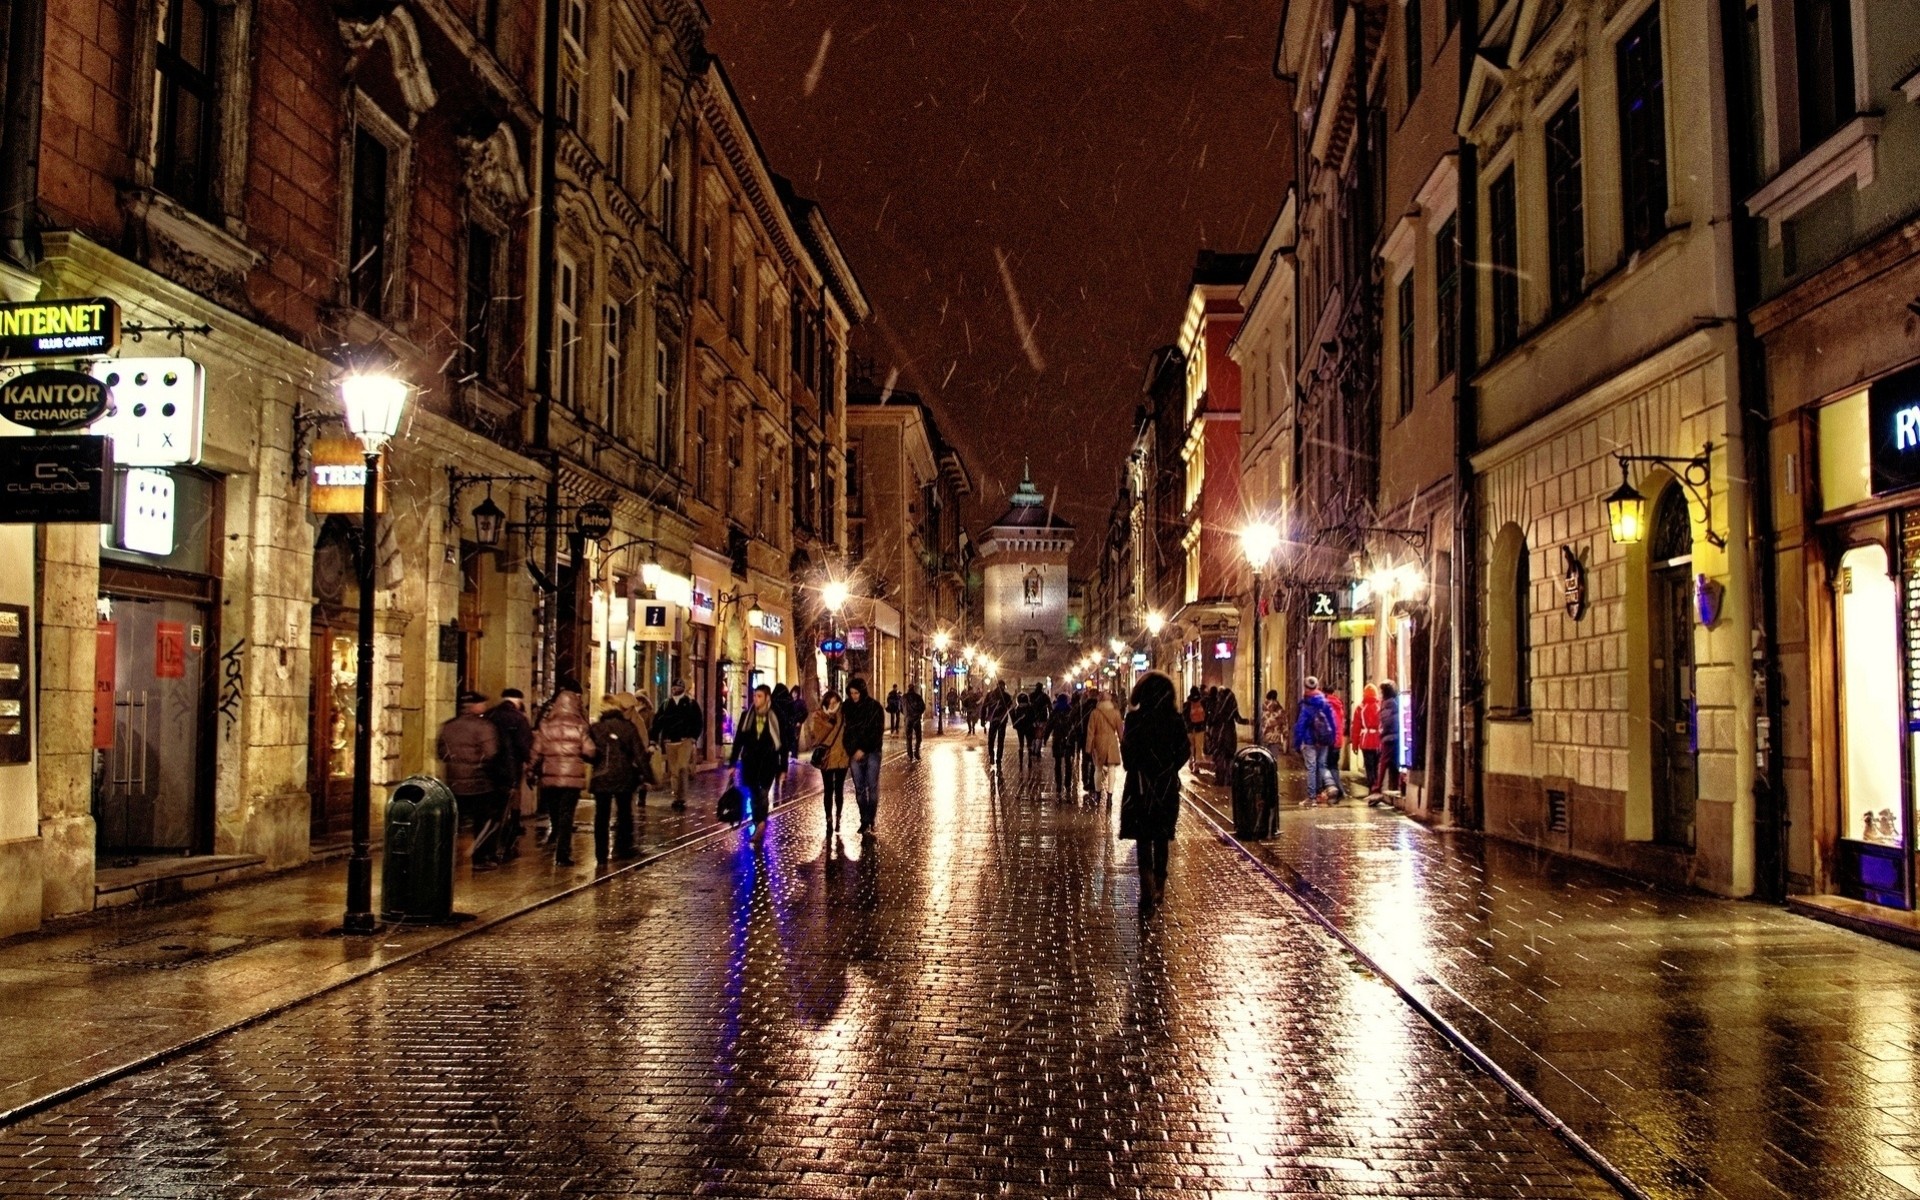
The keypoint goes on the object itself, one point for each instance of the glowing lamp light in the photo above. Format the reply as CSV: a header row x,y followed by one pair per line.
x,y
941,641
1116,645
1259,541
489,523
1627,513
756,617
1156,624
834,595
374,404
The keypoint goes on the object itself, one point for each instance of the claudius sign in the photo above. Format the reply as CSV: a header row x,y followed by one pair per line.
x,y
59,328
53,400
55,480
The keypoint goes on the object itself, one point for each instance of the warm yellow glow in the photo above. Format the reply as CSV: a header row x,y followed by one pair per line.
x,y
1627,513
941,641
1259,541
834,594
1156,624
373,404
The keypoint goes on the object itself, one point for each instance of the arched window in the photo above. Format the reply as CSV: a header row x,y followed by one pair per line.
x,y
1672,528
1033,649
1509,626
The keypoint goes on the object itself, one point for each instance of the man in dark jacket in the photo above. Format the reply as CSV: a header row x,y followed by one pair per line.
x,y
994,710
469,745
618,771
509,719
757,751
866,724
893,709
913,708
677,728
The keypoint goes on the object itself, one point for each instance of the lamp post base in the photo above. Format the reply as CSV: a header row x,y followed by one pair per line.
x,y
359,892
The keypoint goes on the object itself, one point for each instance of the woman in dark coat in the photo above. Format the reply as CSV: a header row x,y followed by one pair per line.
x,y
1224,737
1153,748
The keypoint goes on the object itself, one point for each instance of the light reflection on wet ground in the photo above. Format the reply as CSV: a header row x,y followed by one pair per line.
x,y
1707,1047
969,1004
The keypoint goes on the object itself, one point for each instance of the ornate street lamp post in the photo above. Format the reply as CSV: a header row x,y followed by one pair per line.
x,y
1259,541
374,403
834,594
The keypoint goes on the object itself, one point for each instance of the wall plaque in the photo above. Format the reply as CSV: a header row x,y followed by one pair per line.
x,y
16,697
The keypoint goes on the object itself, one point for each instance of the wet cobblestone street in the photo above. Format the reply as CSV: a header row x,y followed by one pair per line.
x,y
969,1004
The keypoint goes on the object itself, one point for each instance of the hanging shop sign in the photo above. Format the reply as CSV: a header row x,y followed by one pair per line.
x,y
1223,648
53,400
857,639
703,604
1893,416
1323,606
766,622
65,479
154,410
144,517
654,621
337,477
833,647
59,328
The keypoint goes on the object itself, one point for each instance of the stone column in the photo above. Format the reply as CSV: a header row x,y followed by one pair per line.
x,y
67,617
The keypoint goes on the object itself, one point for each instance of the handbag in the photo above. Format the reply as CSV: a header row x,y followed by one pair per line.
x,y
732,804
1133,810
818,758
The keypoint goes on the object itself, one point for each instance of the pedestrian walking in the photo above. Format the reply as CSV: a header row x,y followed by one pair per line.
x,y
970,707
509,718
639,710
788,714
995,708
827,730
1059,729
1313,738
1196,714
469,745
1083,705
1390,702
1273,721
562,748
1024,719
619,769
1042,712
913,712
1153,747
865,737
1225,732
1336,756
1103,743
1366,738
893,709
678,727
757,755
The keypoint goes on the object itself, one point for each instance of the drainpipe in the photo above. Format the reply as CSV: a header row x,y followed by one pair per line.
x,y
1467,804
1769,783
546,259
20,138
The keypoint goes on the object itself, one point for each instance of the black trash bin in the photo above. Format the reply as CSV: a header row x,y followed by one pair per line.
x,y
1256,793
416,871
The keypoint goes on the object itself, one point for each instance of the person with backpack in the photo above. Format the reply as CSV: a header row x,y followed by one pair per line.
x,y
1196,715
913,711
1314,734
620,768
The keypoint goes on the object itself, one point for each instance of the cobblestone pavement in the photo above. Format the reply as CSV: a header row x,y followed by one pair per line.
x,y
969,1004
110,991
1707,1047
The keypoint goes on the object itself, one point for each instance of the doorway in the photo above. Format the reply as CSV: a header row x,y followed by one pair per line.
x,y
154,791
1676,780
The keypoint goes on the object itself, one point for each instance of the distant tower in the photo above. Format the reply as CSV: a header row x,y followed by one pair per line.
x,y
1023,560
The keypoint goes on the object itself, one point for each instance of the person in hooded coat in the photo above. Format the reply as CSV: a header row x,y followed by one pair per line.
x,y
1153,748
1224,734
562,748
1103,744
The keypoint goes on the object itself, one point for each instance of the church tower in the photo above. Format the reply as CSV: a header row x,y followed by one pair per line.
x,y
1023,558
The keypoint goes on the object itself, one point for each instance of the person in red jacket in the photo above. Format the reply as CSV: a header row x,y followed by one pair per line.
x,y
1366,735
1334,756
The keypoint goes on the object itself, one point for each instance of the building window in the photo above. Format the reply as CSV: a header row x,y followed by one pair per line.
x,y
367,246
669,212
1566,208
829,378
185,104
763,334
1503,252
700,451
613,380
483,258
566,330
736,457
621,108
1643,132
573,67
856,506
1414,49
1446,296
662,402
1403,301
1509,621
737,300
707,277
1823,50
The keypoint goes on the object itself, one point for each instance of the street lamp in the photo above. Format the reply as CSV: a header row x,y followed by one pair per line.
x,y
374,403
1259,541
1626,512
489,523
834,594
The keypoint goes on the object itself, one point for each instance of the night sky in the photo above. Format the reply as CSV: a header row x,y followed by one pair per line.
x,y
1074,154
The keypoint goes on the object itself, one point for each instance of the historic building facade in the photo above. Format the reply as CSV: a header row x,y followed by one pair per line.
x,y
1024,559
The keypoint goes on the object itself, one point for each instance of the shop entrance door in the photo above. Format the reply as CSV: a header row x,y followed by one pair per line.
x,y
155,794
336,675
1676,785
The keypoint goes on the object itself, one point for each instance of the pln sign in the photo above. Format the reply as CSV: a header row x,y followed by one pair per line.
x,y
1893,416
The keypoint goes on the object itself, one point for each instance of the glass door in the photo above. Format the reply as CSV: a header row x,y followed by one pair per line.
x,y
336,675
153,795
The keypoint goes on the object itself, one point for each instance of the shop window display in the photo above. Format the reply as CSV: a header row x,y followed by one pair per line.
x,y
1870,657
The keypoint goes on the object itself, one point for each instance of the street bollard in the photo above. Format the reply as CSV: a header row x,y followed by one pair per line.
x,y
416,872
1256,793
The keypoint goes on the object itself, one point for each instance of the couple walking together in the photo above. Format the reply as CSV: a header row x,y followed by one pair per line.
x,y
847,739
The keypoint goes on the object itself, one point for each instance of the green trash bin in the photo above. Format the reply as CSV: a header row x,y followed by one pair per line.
x,y
416,871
